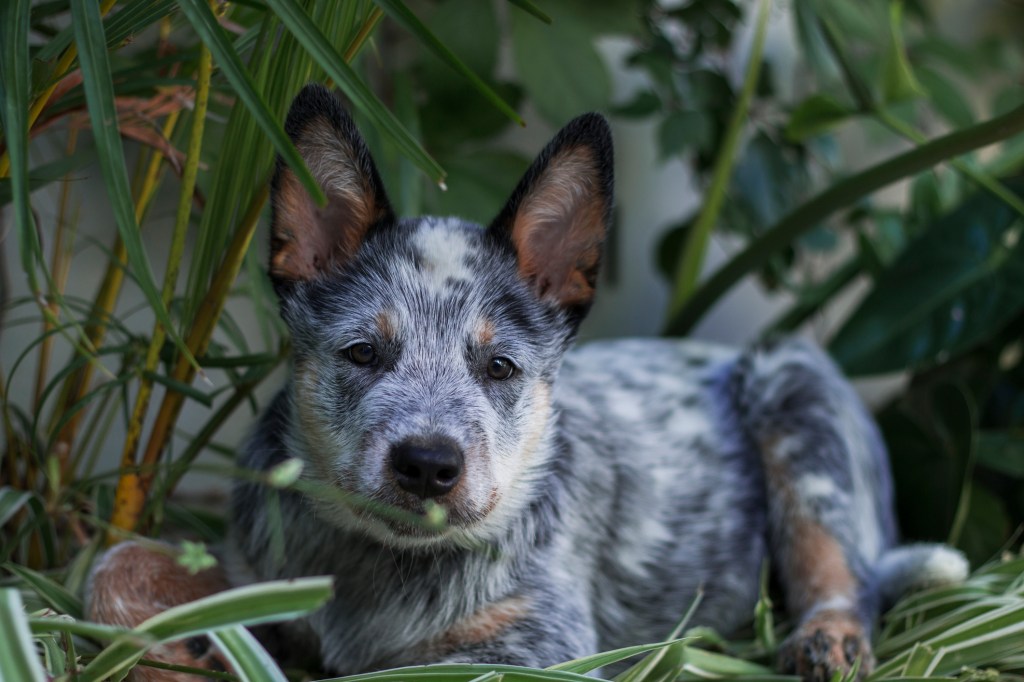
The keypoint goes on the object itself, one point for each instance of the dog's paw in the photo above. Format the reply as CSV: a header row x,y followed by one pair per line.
x,y
828,642
133,582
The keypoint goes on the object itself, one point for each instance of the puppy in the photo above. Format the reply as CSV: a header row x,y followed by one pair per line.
x,y
588,495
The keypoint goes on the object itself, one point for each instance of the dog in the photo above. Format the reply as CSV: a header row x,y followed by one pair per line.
x,y
588,495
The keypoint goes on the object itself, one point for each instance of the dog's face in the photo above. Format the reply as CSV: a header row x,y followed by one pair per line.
x,y
425,349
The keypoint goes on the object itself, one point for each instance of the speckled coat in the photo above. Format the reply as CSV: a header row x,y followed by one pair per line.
x,y
597,490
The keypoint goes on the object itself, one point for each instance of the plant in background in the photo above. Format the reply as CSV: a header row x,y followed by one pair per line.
x,y
183,98
945,302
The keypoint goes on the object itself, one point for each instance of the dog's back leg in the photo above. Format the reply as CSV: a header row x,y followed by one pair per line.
x,y
829,501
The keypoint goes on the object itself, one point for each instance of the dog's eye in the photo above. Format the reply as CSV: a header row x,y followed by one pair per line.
x,y
362,354
500,368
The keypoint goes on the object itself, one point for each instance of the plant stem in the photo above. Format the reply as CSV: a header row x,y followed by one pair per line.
x,y
60,266
839,195
699,235
129,500
106,298
199,336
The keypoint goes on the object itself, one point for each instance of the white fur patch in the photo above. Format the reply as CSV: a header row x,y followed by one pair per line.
x,y
814,486
444,252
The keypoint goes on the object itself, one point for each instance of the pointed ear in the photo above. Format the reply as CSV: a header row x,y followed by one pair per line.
x,y
557,218
308,240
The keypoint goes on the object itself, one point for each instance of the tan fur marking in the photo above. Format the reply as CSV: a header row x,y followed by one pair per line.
x,y
486,624
485,332
562,260
814,565
386,326
818,566
307,239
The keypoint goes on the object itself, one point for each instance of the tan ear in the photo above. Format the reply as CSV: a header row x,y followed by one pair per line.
x,y
309,240
557,218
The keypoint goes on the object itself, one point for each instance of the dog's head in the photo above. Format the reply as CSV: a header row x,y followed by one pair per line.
x,y
425,349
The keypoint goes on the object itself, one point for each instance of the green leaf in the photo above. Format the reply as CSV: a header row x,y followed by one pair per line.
x,y
898,81
954,286
330,60
52,593
99,95
682,131
588,663
531,9
247,657
478,185
44,174
11,501
561,69
944,96
815,115
401,14
464,673
209,31
1001,451
18,661
644,104
254,604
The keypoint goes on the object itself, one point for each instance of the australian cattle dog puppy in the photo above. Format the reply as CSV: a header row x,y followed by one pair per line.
x,y
589,493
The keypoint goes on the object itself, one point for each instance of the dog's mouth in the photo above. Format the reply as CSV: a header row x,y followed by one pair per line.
x,y
399,514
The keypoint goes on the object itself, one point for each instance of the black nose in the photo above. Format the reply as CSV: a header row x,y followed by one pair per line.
x,y
427,469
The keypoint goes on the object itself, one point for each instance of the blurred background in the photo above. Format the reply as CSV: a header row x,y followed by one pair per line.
x,y
797,167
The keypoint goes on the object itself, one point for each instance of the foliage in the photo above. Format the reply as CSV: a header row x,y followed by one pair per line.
x,y
945,270
181,100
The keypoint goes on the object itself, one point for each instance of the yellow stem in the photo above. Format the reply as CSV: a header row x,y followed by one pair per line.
x,y
78,382
130,497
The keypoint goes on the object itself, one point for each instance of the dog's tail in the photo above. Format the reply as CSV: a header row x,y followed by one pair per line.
x,y
913,567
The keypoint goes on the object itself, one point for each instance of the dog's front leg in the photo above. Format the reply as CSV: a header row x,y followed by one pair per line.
x,y
828,499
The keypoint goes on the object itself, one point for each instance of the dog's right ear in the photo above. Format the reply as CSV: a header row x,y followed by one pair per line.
x,y
308,240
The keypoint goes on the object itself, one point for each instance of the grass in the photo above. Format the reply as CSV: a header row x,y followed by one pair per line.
x,y
971,631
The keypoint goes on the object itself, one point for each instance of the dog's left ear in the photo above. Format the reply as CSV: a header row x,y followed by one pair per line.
x,y
557,217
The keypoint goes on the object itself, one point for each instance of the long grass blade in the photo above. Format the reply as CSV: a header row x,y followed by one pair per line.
x,y
99,93
18,659
313,40
52,592
250,605
248,658
210,32
398,11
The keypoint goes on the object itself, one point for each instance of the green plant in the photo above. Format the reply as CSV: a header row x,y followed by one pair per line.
x,y
198,89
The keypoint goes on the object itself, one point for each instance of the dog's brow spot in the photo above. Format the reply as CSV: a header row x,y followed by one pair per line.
x,y
443,255
386,325
484,331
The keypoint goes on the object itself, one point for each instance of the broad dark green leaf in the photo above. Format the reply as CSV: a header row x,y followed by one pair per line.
x,y
478,185
952,103
815,115
955,285
1002,451
682,131
643,104
404,16
559,66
